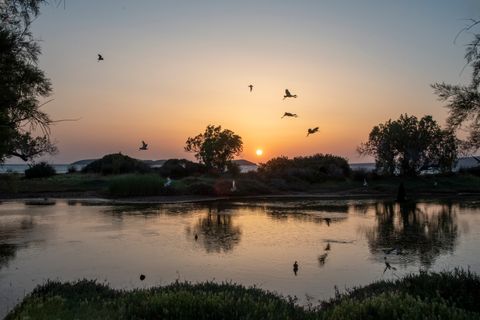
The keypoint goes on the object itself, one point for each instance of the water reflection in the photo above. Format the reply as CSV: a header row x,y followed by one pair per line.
x,y
413,232
10,233
216,232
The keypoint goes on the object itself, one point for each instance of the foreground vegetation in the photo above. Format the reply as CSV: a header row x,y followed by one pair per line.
x,y
447,295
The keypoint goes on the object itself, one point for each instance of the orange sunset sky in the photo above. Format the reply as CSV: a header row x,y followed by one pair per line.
x,y
173,67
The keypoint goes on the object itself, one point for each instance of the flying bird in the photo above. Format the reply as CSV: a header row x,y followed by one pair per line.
x,y
288,114
100,57
295,267
312,131
288,95
251,87
144,146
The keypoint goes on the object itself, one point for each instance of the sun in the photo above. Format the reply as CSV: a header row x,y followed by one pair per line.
x,y
259,152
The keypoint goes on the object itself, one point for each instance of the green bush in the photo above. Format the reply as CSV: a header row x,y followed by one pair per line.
x,y
387,306
446,295
201,188
40,170
116,163
180,168
312,169
137,185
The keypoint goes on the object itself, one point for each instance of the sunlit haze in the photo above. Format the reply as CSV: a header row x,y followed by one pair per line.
x,y
172,67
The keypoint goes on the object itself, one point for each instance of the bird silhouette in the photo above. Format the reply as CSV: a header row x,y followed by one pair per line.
x,y
312,131
288,95
100,57
251,87
295,267
144,146
142,277
327,248
388,266
327,221
288,114
322,258
196,237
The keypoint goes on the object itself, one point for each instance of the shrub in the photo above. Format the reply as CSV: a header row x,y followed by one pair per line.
x,y
116,163
312,169
137,185
180,168
40,170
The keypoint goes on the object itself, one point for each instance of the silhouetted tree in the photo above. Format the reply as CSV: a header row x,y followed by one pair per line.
x,y
408,145
22,83
215,147
463,101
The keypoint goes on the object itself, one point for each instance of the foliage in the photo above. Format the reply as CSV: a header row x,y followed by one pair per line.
x,y
72,169
458,288
180,168
22,84
90,300
215,147
233,169
40,170
408,145
136,185
116,163
463,101
311,169
446,295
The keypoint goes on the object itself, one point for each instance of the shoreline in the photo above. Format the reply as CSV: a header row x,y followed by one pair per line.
x,y
96,199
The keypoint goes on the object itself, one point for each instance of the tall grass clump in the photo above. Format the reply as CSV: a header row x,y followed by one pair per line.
x,y
136,185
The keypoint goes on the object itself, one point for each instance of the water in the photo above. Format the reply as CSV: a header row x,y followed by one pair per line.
x,y
252,243
20,168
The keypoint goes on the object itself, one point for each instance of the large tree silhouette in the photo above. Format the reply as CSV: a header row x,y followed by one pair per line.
x,y
463,101
24,128
215,147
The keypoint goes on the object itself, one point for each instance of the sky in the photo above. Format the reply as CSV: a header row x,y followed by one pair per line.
x,y
173,67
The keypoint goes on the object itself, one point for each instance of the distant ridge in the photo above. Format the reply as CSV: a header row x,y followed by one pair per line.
x,y
243,162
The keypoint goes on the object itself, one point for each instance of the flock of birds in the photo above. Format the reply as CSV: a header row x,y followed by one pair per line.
x,y
310,131
287,94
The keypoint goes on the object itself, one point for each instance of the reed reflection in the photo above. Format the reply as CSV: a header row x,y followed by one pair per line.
x,y
409,233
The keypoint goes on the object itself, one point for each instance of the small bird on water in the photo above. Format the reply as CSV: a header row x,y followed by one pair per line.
x,y
100,58
196,237
288,114
388,266
142,277
295,267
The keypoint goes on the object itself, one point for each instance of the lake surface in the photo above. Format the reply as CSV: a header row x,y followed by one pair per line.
x,y
336,243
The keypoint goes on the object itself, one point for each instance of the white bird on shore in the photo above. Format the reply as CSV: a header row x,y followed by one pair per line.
x,y
234,187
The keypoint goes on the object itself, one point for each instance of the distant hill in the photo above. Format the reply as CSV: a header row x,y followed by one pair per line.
x,y
82,162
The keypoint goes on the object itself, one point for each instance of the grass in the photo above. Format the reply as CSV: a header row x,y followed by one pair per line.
x,y
446,295
135,185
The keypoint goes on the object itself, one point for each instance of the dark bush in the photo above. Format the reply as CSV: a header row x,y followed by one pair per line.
x,y
116,163
72,169
137,185
312,169
40,170
201,188
473,171
180,168
233,169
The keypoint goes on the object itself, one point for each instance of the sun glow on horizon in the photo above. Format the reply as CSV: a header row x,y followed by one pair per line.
x,y
259,152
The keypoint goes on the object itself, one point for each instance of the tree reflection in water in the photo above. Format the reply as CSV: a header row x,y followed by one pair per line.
x,y
408,232
216,231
